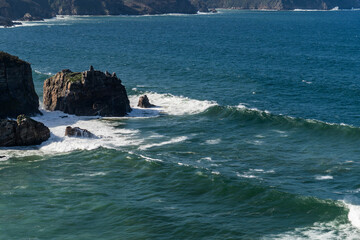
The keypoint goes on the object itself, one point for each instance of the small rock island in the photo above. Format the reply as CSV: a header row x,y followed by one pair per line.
x,y
88,93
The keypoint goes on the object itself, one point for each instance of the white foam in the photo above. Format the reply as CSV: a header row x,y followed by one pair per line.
x,y
244,106
307,82
183,164
246,175
149,159
353,204
354,215
108,136
4,158
320,231
48,73
91,174
46,22
261,171
328,177
335,229
213,141
168,104
171,141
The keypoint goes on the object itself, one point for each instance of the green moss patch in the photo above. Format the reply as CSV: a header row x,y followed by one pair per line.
x,y
74,77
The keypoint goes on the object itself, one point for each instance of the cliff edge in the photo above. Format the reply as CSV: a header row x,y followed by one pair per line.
x,y
17,92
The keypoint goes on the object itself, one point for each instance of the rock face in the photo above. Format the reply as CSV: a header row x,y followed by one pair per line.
x,y
144,102
23,132
17,92
78,132
87,93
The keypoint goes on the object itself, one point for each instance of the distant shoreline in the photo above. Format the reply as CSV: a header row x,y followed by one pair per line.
x,y
5,22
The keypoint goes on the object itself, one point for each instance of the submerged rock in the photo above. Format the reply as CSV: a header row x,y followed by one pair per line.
x,y
87,93
23,132
144,102
17,92
78,132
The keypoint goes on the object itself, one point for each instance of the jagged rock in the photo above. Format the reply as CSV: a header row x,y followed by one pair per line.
x,y
86,93
29,17
17,92
23,132
144,102
6,22
78,132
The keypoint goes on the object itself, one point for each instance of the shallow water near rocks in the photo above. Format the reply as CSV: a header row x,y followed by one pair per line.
x,y
256,132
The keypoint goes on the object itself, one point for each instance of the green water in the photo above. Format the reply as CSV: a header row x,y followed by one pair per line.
x,y
256,134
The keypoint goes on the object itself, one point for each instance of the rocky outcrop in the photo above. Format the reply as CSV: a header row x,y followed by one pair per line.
x,y
87,93
29,17
144,102
23,132
6,22
78,132
17,92
200,5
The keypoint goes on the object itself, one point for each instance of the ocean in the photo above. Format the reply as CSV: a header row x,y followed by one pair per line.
x,y
255,133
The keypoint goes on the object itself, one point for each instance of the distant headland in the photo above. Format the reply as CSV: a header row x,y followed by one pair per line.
x,y
34,10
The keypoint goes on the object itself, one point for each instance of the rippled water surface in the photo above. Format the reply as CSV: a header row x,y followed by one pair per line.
x,y
256,132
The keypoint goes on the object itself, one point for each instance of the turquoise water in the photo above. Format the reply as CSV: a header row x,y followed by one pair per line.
x,y
255,135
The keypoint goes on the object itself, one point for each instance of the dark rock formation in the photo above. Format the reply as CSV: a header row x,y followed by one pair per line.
x,y
200,5
29,17
87,93
78,132
23,132
17,92
6,22
144,102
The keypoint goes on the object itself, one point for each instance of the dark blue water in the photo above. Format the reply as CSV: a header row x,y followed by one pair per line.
x,y
256,134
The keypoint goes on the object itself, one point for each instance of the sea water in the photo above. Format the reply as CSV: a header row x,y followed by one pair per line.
x,y
255,133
